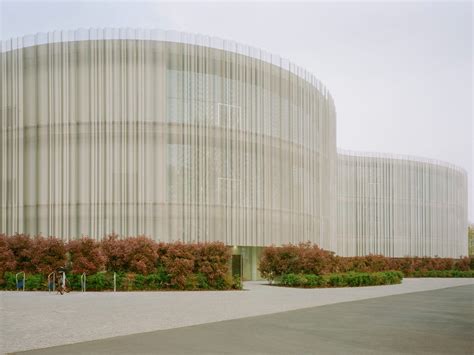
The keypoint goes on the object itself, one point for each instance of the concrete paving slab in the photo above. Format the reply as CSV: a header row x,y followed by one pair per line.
x,y
430,322
31,320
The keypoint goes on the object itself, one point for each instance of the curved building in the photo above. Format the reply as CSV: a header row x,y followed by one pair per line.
x,y
186,137
400,206
165,134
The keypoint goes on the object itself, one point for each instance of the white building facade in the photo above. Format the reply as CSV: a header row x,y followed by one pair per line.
x,y
186,137
400,206
174,136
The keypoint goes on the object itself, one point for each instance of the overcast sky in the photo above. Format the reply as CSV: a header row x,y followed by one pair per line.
x,y
400,72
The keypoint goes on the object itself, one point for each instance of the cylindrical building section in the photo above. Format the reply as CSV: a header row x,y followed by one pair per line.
x,y
400,206
170,135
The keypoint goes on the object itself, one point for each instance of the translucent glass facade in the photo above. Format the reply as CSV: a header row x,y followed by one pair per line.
x,y
400,206
165,134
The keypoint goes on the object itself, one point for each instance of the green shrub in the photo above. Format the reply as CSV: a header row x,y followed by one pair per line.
x,y
191,282
315,281
97,282
119,280
10,283
35,282
303,280
156,281
351,279
443,273
393,277
202,281
104,281
139,282
337,280
359,279
291,280
73,281
236,283
224,283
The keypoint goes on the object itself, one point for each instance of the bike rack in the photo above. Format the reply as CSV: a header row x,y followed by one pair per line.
x,y
52,276
83,282
24,280
115,282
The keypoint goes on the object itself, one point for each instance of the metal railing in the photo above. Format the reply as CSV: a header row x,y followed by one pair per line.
x,y
24,280
52,277
83,282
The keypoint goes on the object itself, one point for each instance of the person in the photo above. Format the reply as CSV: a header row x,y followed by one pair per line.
x,y
62,281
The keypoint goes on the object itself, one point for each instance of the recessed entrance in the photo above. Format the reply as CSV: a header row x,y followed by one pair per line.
x,y
246,260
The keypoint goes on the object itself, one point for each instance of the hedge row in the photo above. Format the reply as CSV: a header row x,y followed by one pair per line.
x,y
351,279
443,273
104,281
307,258
138,255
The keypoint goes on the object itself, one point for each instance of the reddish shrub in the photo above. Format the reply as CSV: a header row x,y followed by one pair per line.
x,y
132,254
268,263
48,254
7,258
463,264
116,253
310,259
86,256
410,265
142,254
275,262
22,248
302,258
368,263
314,260
177,259
212,260
405,265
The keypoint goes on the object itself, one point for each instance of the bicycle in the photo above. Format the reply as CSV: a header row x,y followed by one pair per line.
x,y
67,286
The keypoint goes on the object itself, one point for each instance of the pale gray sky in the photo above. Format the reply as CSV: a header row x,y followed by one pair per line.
x,y
400,72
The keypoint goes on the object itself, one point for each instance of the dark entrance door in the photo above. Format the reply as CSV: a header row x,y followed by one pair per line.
x,y
237,265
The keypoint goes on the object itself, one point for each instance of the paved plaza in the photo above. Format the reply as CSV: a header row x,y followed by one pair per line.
x,y
32,320
430,322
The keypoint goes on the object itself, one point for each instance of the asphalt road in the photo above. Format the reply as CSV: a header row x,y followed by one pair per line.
x,y
431,322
